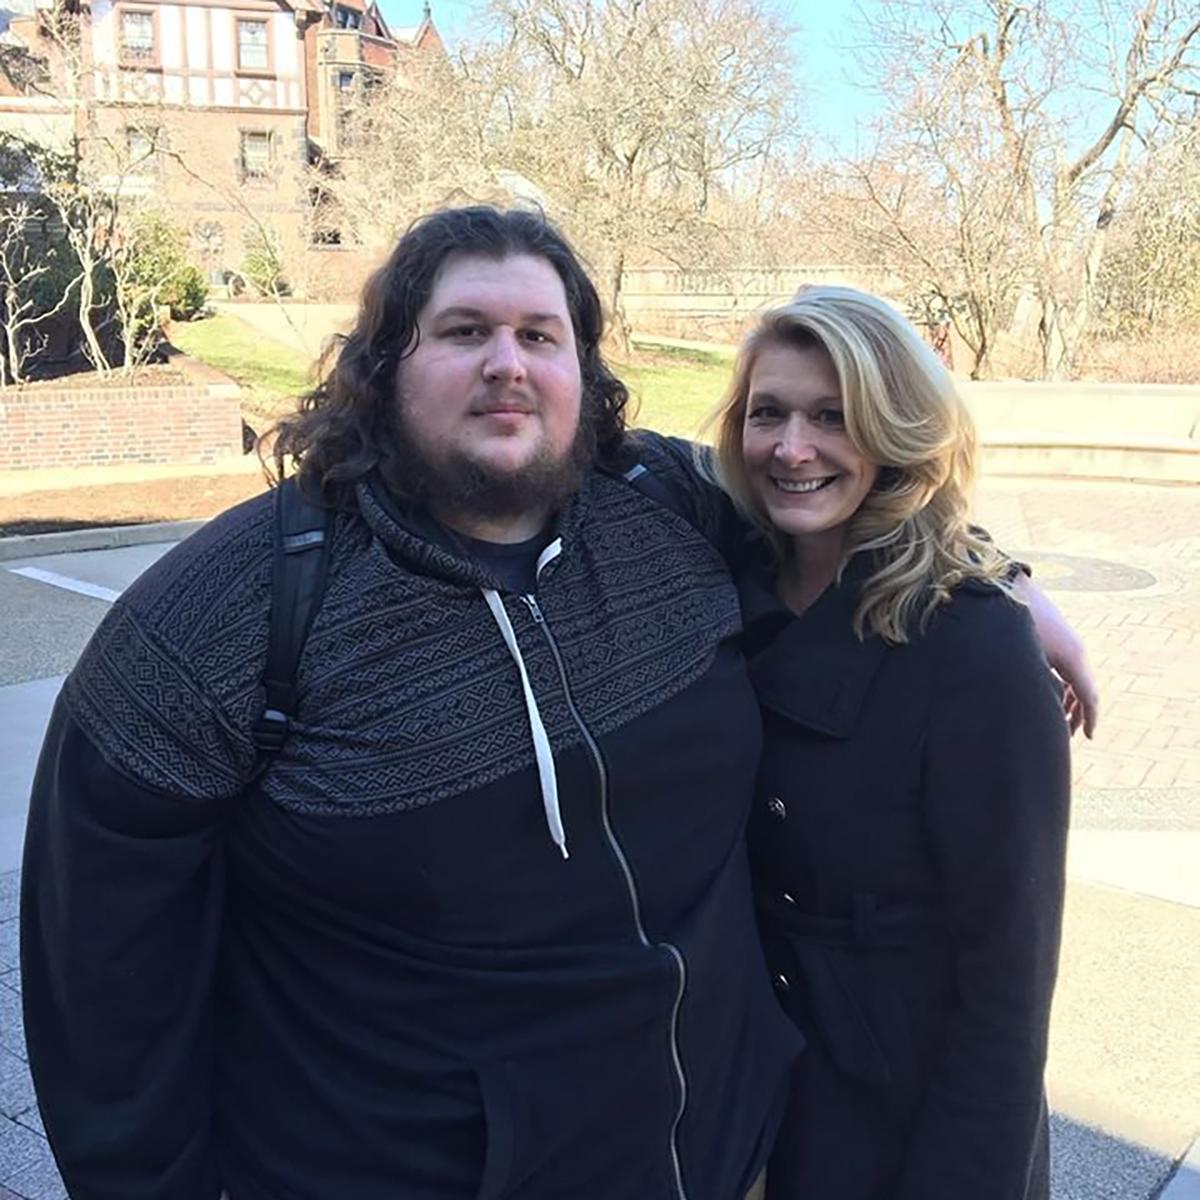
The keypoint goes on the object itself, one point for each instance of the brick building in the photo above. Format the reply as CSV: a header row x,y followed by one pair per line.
x,y
213,108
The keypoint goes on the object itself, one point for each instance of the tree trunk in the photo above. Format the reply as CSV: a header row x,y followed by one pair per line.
x,y
13,373
1054,337
87,291
618,326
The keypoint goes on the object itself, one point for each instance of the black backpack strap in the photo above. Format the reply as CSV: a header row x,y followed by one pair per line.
x,y
653,486
298,570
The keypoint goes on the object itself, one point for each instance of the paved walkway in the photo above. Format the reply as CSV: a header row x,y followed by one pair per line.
x,y
1124,1072
303,327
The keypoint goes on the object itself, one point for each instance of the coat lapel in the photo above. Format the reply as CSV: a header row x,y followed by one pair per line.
x,y
810,669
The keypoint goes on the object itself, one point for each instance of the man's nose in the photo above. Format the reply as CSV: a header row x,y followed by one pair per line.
x,y
505,360
795,445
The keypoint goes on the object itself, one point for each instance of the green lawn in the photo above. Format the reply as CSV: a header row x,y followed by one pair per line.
x,y
673,395
672,391
272,375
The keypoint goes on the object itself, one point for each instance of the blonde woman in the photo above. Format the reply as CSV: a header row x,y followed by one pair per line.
x,y
908,834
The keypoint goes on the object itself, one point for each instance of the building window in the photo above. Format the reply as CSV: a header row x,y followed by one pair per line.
x,y
347,18
256,154
345,80
140,144
254,51
323,223
137,38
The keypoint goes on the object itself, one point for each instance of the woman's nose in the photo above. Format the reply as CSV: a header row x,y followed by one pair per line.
x,y
795,446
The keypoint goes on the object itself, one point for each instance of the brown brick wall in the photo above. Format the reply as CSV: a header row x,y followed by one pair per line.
x,y
335,274
42,427
204,193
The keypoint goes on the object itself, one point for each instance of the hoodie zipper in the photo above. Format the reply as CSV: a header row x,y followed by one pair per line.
x,y
635,902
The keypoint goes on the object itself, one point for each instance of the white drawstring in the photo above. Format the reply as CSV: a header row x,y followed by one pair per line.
x,y
541,743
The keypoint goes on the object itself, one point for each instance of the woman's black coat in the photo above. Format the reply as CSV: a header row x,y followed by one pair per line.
x,y
908,840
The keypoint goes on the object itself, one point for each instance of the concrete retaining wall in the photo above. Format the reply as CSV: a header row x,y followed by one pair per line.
x,y
1108,431
1085,410
718,305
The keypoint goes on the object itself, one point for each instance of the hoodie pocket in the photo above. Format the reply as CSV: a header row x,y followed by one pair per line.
x,y
592,1121
498,1131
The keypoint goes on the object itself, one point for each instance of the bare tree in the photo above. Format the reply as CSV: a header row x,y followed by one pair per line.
x,y
96,191
24,265
1029,156
1150,276
407,144
640,121
648,128
935,200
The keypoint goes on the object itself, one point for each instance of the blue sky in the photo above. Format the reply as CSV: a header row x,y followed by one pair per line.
x,y
835,104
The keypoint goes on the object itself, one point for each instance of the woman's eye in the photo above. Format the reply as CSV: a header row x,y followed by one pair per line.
x,y
463,331
538,337
762,412
832,417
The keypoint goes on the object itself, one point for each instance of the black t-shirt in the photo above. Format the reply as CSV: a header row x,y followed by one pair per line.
x,y
513,564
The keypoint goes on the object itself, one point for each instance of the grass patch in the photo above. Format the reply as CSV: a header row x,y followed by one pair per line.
x,y
719,356
673,390
674,397
272,375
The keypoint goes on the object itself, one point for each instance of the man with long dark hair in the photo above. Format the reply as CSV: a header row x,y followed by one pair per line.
x,y
481,927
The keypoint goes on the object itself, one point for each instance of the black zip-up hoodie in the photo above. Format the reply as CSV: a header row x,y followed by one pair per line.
x,y
369,972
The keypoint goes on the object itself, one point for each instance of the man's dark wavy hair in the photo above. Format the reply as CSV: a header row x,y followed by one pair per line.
x,y
345,426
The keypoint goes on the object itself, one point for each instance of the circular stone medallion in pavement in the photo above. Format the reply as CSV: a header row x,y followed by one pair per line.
x,y
1074,573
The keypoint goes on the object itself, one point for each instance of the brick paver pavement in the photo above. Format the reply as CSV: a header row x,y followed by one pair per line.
x,y
1144,640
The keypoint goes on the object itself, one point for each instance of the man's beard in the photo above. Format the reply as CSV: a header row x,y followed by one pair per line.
x,y
454,485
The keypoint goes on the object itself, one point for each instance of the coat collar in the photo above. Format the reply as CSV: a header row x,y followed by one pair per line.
x,y
810,669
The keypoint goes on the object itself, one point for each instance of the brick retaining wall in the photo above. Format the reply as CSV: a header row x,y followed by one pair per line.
x,y
185,423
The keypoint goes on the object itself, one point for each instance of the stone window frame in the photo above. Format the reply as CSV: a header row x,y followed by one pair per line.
x,y
154,62
257,177
255,18
152,164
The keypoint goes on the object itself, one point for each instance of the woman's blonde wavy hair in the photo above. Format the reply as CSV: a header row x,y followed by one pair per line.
x,y
903,413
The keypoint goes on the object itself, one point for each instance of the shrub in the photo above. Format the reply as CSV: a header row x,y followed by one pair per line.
x,y
153,273
187,295
262,264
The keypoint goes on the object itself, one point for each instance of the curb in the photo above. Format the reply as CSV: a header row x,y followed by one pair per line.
x,y
1184,1183
35,545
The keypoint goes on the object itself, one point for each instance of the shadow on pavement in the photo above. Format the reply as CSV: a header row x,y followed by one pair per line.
x,y
1088,1164
22,528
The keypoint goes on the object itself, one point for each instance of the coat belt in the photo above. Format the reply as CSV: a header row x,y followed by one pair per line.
x,y
828,953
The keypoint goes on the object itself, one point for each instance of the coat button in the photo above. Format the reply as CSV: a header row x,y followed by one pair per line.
x,y
781,984
777,808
